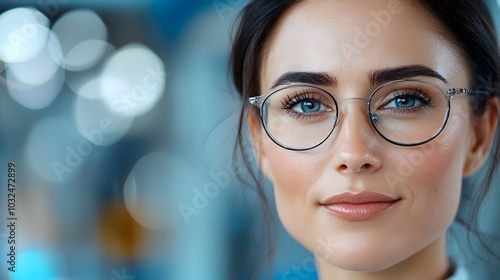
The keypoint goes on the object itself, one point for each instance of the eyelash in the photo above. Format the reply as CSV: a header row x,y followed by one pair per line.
x,y
298,97
415,93
290,102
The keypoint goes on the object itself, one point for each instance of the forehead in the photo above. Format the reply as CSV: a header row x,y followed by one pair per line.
x,y
349,38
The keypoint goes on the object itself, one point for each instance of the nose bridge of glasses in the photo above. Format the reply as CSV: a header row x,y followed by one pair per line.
x,y
363,111
353,99
343,102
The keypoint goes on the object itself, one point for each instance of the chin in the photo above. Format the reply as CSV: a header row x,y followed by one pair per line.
x,y
362,258
362,262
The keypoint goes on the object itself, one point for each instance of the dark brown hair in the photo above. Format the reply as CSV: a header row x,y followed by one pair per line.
x,y
469,24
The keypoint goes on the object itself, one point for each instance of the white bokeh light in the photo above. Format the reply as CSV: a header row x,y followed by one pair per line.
x,y
41,68
141,74
35,96
83,37
99,125
86,83
152,187
23,34
90,89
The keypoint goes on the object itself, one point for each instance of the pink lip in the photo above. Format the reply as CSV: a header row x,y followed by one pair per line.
x,y
360,206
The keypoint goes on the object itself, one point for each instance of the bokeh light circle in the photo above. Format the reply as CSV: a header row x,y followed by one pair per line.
x,y
41,68
141,74
151,189
90,89
86,82
83,37
99,125
35,96
23,34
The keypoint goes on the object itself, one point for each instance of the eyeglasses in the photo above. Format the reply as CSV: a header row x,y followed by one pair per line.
x,y
404,112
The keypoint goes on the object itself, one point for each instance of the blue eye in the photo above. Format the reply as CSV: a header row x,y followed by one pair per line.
x,y
308,106
404,102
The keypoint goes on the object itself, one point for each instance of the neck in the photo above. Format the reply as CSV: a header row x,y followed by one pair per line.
x,y
429,263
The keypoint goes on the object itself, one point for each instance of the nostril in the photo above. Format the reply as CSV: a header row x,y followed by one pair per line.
x,y
366,166
356,166
342,167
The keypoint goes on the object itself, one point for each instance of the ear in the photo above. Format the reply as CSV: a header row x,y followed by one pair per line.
x,y
485,127
257,134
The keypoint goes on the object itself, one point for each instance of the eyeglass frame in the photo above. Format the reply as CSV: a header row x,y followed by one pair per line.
x,y
258,101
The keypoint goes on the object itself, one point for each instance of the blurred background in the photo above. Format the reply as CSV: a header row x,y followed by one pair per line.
x,y
120,118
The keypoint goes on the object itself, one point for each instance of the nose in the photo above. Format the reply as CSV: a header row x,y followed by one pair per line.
x,y
355,146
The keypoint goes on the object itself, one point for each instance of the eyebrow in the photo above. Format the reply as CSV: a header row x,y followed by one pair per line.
x,y
315,78
376,77
403,72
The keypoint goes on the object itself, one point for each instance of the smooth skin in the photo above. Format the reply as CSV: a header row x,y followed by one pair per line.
x,y
409,240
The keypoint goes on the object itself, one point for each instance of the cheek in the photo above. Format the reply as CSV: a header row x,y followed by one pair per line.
x,y
432,175
293,175
430,179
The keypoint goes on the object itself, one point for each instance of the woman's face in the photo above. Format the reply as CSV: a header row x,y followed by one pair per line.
x,y
350,41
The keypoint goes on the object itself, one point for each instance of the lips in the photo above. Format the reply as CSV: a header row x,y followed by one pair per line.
x,y
359,206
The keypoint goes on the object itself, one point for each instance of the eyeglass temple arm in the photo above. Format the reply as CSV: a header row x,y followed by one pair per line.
x,y
255,101
454,91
